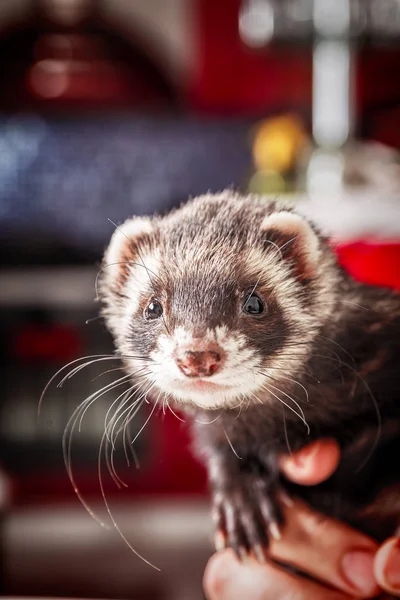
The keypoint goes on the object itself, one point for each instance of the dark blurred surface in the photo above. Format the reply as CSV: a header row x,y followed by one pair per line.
x,y
114,108
63,179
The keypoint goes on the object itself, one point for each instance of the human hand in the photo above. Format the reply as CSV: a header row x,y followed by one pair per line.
x,y
345,561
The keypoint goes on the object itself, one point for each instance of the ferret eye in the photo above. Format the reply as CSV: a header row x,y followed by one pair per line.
x,y
154,310
253,305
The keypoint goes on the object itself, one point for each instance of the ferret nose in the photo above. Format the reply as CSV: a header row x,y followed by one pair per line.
x,y
198,364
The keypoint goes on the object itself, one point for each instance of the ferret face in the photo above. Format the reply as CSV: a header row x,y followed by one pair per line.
x,y
216,302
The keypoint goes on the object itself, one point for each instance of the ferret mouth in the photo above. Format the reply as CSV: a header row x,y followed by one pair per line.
x,y
203,385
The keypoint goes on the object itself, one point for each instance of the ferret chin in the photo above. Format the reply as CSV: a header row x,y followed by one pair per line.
x,y
237,304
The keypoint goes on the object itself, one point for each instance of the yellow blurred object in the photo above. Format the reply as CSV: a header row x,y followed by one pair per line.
x,y
267,182
278,142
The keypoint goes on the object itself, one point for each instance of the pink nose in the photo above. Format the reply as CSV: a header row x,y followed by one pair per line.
x,y
198,364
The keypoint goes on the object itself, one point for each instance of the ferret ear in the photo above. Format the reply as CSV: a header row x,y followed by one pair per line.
x,y
124,249
295,241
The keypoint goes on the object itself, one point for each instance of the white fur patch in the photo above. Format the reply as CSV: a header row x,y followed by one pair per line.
x,y
125,234
238,379
294,225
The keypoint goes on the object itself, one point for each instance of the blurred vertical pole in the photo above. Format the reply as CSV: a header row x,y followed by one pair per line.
x,y
333,107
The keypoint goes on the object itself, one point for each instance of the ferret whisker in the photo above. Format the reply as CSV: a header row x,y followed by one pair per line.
x,y
110,460
96,395
209,422
378,417
136,385
289,398
101,270
123,407
172,411
130,403
125,398
128,415
355,304
79,368
131,244
242,396
129,395
145,423
136,406
230,444
124,416
110,463
302,418
126,433
79,414
286,432
93,319
106,373
66,445
109,457
92,360
115,524
340,347
255,397
297,383
277,249
288,242
255,287
48,384
278,379
131,410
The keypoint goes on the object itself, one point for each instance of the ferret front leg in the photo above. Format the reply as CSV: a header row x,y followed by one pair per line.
x,y
246,505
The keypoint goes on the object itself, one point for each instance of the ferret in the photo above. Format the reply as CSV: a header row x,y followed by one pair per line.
x,y
235,309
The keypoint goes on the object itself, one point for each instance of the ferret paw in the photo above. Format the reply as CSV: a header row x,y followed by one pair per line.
x,y
247,516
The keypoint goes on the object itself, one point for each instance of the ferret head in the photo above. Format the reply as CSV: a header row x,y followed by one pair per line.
x,y
217,301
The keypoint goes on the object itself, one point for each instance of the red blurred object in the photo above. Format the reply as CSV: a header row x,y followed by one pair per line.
x,y
231,78
170,469
53,343
375,264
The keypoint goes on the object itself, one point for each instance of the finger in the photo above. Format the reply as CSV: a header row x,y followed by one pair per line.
x,y
387,566
226,578
327,550
312,464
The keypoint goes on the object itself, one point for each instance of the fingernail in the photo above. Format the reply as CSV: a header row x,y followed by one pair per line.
x,y
392,569
358,570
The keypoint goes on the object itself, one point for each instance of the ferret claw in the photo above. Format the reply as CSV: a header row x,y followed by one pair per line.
x,y
273,529
248,516
259,553
241,552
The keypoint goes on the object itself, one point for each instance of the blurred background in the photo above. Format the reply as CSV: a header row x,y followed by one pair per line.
x,y
110,108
